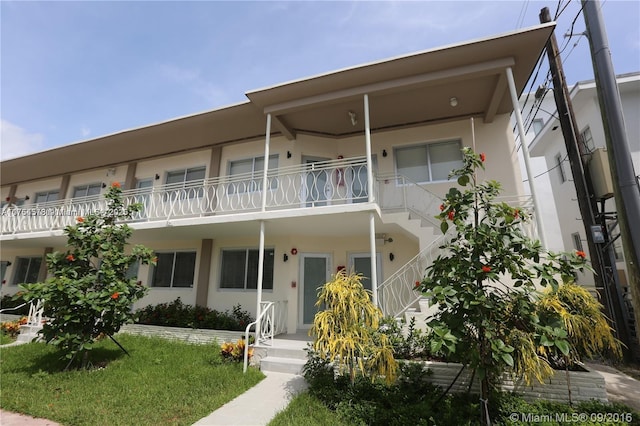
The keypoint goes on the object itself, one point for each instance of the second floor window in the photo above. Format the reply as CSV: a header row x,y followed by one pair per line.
x,y
560,167
430,162
188,180
587,140
87,190
46,196
253,168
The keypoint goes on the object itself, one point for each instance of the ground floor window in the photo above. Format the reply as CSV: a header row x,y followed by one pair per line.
x,y
174,269
27,270
239,269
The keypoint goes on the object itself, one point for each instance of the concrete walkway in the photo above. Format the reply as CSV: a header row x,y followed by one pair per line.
x,y
258,405
620,387
8,418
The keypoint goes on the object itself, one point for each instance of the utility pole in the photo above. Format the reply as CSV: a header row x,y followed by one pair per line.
x,y
625,187
584,188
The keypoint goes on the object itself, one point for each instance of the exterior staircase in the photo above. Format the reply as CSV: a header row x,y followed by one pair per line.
x,y
286,355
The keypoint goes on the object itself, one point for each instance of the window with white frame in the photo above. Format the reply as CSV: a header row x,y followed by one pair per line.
x,y
253,169
46,196
87,190
429,162
537,125
174,269
239,269
186,180
587,140
560,167
27,270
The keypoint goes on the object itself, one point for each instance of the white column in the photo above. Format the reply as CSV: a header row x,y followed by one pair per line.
x,y
260,277
374,270
372,223
525,152
367,137
265,182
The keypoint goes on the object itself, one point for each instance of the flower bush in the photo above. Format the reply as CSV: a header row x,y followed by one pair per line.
x,y
12,328
89,294
177,314
235,351
485,282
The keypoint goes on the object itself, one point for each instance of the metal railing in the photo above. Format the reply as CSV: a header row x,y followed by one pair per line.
x,y
301,186
398,193
398,292
272,320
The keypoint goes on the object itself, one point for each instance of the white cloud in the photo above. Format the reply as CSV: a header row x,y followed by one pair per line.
x,y
16,141
85,131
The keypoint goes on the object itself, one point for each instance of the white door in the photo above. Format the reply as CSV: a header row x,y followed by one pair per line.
x,y
360,263
315,271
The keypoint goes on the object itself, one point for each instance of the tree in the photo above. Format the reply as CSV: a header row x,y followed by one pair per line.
x,y
346,330
485,282
89,294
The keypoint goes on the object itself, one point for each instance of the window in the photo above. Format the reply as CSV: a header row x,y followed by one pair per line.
x,y
587,140
537,125
187,178
240,269
560,167
46,196
87,190
429,162
577,242
253,168
174,269
27,270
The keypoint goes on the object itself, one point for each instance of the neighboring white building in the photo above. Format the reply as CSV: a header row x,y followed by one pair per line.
x,y
357,160
549,144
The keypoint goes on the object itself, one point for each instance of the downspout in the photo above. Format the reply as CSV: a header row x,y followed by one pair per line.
x,y
372,224
525,152
267,141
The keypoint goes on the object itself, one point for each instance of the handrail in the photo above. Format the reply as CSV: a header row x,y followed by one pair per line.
x,y
13,309
420,202
269,306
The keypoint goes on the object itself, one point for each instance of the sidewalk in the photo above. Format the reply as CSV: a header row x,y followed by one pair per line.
x,y
8,418
258,405
620,387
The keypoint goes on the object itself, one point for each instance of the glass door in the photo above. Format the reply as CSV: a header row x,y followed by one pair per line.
x,y
316,183
314,272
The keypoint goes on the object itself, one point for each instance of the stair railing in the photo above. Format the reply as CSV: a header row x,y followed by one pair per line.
x,y
397,293
398,193
273,321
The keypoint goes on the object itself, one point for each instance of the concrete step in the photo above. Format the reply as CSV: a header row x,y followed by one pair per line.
x,y
282,365
280,352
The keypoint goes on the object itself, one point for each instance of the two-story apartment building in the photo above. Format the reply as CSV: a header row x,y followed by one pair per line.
x,y
262,201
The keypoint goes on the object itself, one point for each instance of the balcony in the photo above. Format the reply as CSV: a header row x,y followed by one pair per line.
x,y
308,186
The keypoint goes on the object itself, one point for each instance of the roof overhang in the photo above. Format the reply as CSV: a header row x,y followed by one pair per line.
x,y
409,90
405,91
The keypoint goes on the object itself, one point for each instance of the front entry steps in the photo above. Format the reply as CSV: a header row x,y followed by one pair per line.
x,y
284,356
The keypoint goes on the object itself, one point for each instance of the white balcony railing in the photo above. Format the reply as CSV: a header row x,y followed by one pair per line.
x,y
301,186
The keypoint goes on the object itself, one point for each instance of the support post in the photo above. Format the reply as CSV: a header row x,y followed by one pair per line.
x,y
374,263
625,186
260,277
367,137
265,172
582,180
525,152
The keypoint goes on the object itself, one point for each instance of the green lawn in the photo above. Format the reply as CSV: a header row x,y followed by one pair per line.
x,y
162,382
4,338
306,410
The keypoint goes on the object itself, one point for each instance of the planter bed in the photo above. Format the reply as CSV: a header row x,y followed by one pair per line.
x,y
585,385
190,335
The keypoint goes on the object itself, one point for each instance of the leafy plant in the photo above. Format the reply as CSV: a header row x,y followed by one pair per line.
x,y
12,328
89,294
484,283
235,351
346,330
177,314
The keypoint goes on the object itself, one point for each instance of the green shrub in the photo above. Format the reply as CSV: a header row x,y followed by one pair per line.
x,y
177,314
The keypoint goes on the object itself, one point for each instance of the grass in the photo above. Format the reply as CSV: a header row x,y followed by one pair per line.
x,y
162,382
307,410
5,338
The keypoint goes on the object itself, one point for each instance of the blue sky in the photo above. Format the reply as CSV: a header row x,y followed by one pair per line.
x,y
73,71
